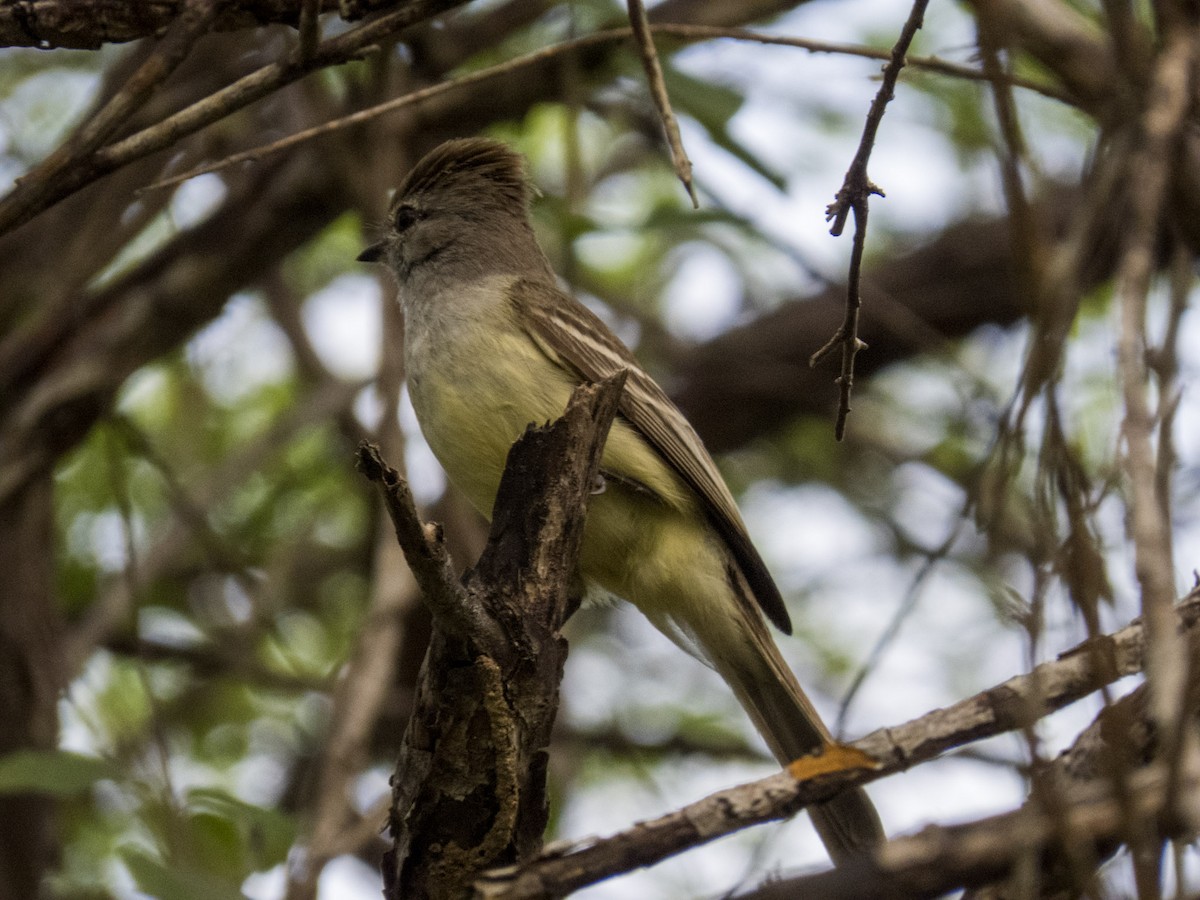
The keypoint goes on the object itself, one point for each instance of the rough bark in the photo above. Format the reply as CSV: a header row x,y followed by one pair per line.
x,y
30,680
469,791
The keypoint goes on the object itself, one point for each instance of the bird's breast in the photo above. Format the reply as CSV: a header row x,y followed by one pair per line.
x,y
474,393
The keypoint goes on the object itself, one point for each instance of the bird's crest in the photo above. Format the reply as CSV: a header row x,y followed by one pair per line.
x,y
461,161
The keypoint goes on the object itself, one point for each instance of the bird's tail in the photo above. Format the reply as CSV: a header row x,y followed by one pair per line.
x,y
765,686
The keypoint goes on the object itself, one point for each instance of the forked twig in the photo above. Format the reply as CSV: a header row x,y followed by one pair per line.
x,y
854,196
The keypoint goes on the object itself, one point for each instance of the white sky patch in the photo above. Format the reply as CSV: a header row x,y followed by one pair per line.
x,y
268,885
425,474
348,878
702,298
619,201
929,504
77,732
344,321
369,408
141,387
604,249
40,111
102,537
260,778
169,627
241,351
196,199
804,531
371,786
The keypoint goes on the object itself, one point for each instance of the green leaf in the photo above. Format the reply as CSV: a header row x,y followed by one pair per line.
x,y
54,772
165,882
264,835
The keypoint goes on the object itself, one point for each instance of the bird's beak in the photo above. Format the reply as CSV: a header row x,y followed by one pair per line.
x,y
374,253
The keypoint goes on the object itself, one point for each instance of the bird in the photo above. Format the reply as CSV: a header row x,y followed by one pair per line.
x,y
493,343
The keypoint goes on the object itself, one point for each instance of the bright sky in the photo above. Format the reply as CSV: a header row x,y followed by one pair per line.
x,y
812,538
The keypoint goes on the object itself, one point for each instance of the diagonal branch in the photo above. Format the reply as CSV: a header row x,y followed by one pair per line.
x,y
15,211
1013,704
42,182
1099,794
644,42
51,24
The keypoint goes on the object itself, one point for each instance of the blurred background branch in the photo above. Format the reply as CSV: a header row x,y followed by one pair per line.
x,y
184,374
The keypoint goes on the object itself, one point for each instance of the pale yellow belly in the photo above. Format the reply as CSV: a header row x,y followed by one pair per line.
x,y
647,548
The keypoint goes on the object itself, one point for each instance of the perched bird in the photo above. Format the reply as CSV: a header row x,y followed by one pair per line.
x,y
492,343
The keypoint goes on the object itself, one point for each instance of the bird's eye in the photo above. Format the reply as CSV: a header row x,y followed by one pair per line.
x,y
404,217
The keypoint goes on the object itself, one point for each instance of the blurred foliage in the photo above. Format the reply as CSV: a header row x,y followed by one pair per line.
x,y
223,532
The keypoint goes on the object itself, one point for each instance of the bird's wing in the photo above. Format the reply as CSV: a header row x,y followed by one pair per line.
x,y
574,337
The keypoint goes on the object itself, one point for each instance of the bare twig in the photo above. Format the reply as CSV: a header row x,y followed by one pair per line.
x,y
426,555
44,181
1168,99
1010,705
644,42
310,29
335,51
854,195
686,32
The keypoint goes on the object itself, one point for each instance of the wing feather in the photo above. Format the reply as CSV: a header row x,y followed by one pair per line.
x,y
571,334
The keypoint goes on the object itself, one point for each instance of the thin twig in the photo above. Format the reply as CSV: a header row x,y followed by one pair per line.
x,y
1169,96
1004,707
644,42
685,32
310,29
43,181
926,63
246,90
1165,362
854,195
1022,227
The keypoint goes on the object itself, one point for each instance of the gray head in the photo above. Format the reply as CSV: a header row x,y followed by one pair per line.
x,y
462,213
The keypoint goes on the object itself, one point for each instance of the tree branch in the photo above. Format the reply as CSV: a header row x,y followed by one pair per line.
x,y
1016,703
51,24
18,207
855,196
469,791
1101,793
